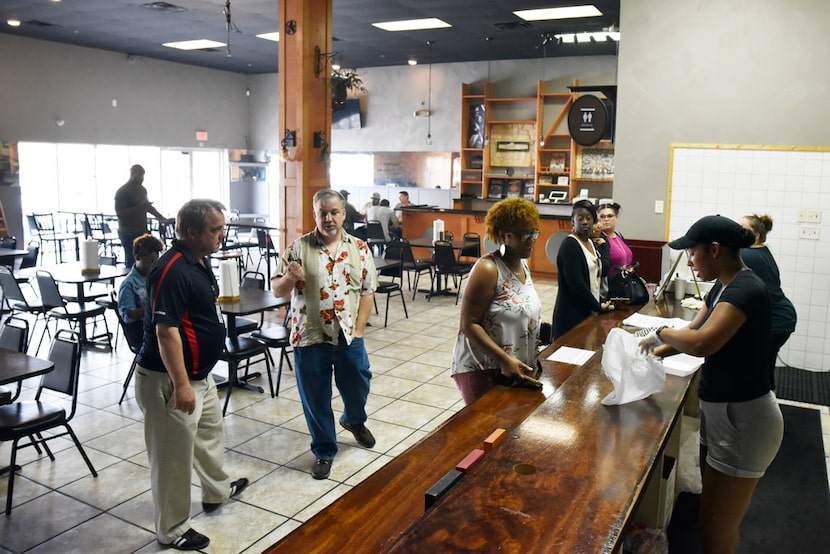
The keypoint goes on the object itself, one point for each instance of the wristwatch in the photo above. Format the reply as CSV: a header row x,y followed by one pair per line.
x,y
658,331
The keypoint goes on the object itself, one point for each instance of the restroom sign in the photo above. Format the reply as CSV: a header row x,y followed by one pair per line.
x,y
590,119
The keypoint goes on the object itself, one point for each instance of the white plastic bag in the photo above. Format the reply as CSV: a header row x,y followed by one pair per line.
x,y
634,375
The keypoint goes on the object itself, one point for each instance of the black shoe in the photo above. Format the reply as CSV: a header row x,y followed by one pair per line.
x,y
191,540
320,469
361,434
236,487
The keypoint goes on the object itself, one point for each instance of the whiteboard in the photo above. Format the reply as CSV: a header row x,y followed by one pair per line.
x,y
781,181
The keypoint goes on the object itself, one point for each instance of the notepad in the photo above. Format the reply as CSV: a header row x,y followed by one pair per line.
x,y
682,365
569,355
642,321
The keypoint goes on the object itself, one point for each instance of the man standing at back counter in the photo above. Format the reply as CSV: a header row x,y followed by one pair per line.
x,y
331,278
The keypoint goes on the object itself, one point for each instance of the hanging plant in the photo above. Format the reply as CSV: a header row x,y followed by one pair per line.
x,y
342,81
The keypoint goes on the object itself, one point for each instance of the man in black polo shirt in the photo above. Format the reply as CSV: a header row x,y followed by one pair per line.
x,y
183,338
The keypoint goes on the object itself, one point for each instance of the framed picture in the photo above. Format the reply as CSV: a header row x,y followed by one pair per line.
x,y
563,180
595,163
495,189
513,188
545,179
557,162
529,191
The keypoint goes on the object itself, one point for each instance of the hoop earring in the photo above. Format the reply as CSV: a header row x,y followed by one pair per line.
x,y
502,248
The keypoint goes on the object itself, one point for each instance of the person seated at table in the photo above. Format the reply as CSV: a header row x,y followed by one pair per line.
x,y
759,259
132,293
386,216
741,426
580,268
500,311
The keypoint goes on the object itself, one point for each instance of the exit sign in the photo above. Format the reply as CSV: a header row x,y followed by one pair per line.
x,y
201,136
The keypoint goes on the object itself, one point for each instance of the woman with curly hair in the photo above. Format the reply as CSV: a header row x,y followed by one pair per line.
x,y
759,259
500,310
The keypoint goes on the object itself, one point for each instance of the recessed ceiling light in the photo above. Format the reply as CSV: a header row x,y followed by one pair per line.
x,y
412,61
568,12
412,24
13,22
197,44
270,36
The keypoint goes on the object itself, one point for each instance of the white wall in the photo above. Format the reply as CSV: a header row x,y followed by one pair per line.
x,y
159,103
700,71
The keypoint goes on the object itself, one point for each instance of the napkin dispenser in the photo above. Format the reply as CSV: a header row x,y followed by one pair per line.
x,y
437,230
89,256
228,281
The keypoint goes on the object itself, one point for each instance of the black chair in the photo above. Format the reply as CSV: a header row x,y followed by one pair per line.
x,y
97,228
253,280
76,313
134,343
19,303
33,417
266,248
472,248
447,265
275,337
243,349
11,244
14,335
411,265
44,228
29,260
375,237
391,288
111,303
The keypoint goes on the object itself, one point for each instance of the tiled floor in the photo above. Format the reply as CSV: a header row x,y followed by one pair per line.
x,y
60,507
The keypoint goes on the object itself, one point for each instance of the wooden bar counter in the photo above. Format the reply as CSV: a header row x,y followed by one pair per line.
x,y
592,463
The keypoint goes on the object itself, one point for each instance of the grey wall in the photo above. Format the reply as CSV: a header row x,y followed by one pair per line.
x,y
159,103
700,71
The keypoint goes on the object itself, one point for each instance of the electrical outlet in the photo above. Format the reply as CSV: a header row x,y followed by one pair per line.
x,y
812,216
808,232
658,206
801,216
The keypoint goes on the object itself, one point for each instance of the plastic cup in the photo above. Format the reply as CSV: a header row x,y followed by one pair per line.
x,y
679,289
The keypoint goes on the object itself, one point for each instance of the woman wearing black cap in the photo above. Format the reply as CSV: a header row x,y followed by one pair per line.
x,y
580,268
740,422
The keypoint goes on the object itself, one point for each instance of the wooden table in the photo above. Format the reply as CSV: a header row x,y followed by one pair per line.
x,y
592,463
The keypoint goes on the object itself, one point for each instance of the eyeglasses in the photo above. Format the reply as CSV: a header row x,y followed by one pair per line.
x,y
524,237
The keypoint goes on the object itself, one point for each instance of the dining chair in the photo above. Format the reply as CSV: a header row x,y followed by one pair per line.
x,y
472,248
243,349
27,261
96,228
375,236
76,313
447,265
19,303
33,417
275,337
412,265
111,302
252,280
134,340
14,335
391,288
46,232
266,247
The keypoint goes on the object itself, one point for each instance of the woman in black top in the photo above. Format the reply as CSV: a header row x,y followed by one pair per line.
x,y
740,423
580,265
759,259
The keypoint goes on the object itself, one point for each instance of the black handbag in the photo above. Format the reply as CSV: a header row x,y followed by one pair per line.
x,y
627,284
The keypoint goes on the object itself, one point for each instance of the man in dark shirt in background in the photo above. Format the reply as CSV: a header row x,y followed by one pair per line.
x,y
131,208
183,338
352,216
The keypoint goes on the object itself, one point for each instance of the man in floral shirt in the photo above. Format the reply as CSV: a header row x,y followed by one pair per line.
x,y
331,278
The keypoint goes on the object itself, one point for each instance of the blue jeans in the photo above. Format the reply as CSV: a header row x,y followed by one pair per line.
x,y
313,365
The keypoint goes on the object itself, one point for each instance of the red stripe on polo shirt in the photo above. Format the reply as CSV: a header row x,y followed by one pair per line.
x,y
164,272
190,335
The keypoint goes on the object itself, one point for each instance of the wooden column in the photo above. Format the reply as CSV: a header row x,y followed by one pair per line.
x,y
305,109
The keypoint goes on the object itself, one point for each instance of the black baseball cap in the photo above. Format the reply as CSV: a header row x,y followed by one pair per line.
x,y
714,228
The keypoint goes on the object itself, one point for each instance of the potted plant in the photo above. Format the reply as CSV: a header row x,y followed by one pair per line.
x,y
342,81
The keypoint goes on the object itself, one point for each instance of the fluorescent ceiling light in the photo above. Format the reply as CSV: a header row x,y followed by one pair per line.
x,y
412,24
270,36
198,44
568,12
602,36
583,37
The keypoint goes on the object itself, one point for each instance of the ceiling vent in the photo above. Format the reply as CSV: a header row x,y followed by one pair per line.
x,y
513,26
165,7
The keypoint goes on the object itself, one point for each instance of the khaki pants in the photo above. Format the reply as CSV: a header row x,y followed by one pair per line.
x,y
177,442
